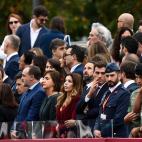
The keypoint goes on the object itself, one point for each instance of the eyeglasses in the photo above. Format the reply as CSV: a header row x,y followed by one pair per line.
x,y
43,20
13,22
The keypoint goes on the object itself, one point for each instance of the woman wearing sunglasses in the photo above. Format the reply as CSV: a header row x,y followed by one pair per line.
x,y
14,21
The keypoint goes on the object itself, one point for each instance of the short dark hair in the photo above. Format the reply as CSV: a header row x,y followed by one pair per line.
x,y
40,10
128,67
79,52
57,23
40,61
28,57
55,43
130,43
35,71
55,76
18,75
55,64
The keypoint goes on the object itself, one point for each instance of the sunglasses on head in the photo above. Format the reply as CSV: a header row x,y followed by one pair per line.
x,y
13,22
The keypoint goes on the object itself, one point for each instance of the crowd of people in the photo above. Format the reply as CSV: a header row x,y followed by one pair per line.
x,y
49,88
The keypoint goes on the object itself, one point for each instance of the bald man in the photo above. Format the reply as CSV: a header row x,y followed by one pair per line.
x,y
125,20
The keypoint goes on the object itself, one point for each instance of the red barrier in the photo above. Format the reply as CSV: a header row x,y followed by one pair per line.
x,y
76,140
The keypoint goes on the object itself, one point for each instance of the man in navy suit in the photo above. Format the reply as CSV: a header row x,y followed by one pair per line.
x,y
11,47
113,107
127,75
74,57
32,99
89,102
30,33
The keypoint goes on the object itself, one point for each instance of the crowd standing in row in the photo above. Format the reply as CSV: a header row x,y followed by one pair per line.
x,y
44,79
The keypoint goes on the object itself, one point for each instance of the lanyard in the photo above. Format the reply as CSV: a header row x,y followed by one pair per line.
x,y
105,102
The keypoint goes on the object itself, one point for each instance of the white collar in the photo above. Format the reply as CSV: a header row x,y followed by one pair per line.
x,y
114,87
126,84
37,30
8,57
32,87
74,67
89,85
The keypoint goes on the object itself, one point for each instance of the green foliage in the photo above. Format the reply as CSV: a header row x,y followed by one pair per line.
x,y
78,14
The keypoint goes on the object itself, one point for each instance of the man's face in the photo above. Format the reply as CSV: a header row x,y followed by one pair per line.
x,y
68,57
88,72
26,78
20,86
58,53
139,80
120,22
41,20
93,38
99,74
21,62
112,78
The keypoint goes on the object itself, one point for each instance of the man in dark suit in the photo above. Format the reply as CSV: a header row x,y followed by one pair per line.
x,y
89,102
127,75
30,33
11,47
74,57
32,99
113,107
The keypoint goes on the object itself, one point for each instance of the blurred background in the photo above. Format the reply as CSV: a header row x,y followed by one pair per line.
x,y
78,14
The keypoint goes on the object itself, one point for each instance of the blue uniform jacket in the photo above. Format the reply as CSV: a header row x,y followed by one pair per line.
x,y
115,110
30,104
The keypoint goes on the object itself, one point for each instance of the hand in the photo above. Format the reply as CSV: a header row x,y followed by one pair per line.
x,y
97,134
93,88
131,116
13,134
70,123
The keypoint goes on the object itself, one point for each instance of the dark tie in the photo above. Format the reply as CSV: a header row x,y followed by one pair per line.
x,y
96,91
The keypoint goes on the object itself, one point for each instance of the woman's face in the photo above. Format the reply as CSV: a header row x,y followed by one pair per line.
x,y
47,82
68,84
14,24
49,67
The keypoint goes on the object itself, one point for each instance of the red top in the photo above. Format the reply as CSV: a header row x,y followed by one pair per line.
x,y
68,112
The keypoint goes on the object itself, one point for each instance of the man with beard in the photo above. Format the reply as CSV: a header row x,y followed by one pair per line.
x,y
113,107
88,106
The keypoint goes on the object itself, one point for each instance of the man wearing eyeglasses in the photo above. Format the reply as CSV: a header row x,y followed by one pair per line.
x,y
31,32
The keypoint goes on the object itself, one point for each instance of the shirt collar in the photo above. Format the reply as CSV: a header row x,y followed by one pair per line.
x,y
8,57
32,27
114,87
74,67
128,83
89,85
32,87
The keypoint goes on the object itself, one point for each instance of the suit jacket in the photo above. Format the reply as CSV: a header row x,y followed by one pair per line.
x,y
115,111
12,67
30,104
79,69
132,87
24,33
46,39
48,108
92,106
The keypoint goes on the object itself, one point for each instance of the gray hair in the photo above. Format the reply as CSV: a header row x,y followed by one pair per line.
x,y
14,40
103,33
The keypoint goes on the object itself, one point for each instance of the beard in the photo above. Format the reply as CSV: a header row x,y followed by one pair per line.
x,y
87,79
112,83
